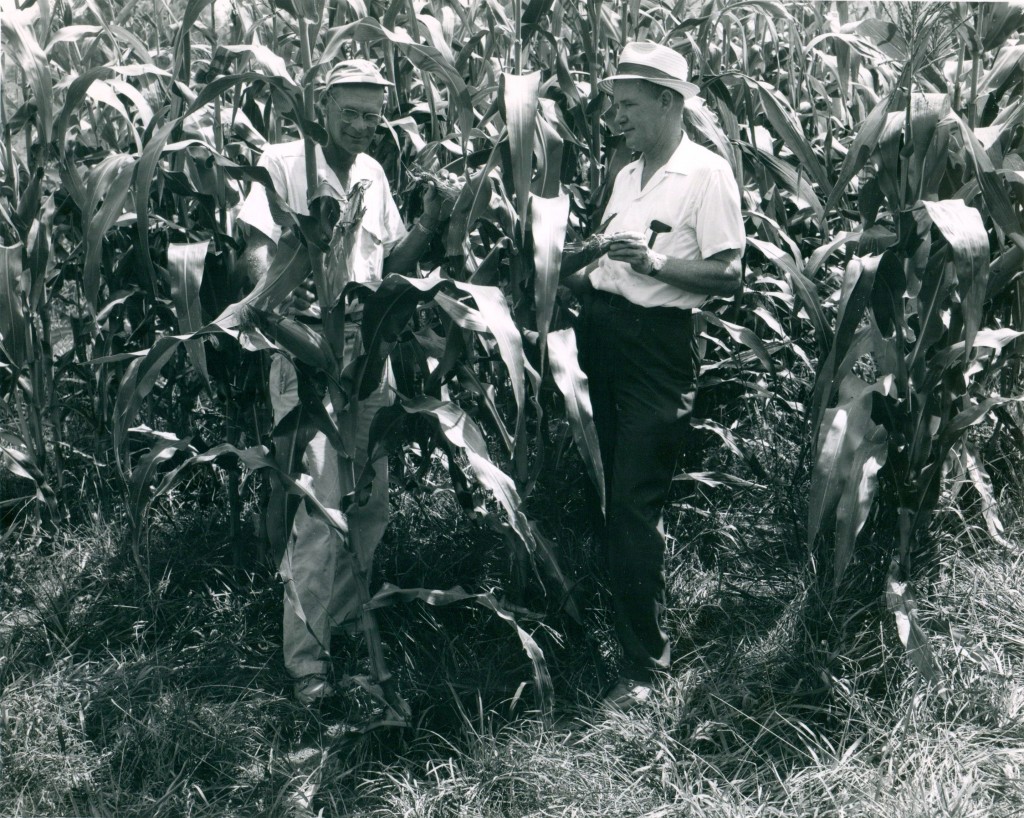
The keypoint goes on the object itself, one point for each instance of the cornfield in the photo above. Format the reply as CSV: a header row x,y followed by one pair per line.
x,y
879,147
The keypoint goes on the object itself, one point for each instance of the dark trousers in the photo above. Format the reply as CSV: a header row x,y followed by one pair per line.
x,y
642,367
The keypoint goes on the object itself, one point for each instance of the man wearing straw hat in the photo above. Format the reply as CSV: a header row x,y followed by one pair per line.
x,y
674,217
320,583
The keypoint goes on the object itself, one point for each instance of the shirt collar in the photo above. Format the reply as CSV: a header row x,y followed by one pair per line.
x,y
679,162
362,169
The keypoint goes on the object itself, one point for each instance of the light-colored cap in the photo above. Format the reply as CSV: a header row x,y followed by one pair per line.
x,y
355,72
655,63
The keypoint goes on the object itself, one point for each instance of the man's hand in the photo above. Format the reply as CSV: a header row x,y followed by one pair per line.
x,y
437,204
632,248
302,297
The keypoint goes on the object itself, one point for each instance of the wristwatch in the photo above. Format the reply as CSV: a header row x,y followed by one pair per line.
x,y
657,263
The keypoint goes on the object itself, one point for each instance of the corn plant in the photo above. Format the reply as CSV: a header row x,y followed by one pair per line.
x,y
919,337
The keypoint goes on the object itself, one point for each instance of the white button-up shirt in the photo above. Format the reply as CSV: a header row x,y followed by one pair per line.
x,y
380,229
696,195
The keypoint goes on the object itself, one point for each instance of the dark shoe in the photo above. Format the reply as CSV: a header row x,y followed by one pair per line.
x,y
628,694
313,689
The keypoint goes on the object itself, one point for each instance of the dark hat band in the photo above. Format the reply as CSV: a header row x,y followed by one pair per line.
x,y
645,71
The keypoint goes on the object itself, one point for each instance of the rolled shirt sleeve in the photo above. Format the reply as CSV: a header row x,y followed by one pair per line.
x,y
696,195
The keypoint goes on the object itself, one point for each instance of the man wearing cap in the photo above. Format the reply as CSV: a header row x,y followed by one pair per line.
x,y
320,590
678,237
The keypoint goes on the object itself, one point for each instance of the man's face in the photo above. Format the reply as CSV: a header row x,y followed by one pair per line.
x,y
351,115
639,114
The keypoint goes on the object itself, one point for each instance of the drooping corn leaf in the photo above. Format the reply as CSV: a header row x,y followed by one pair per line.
x,y
572,383
144,473
963,228
495,311
488,394
842,430
854,298
16,458
387,311
804,289
782,119
993,188
744,336
108,183
185,264
462,431
145,171
20,40
136,384
974,466
864,144
289,267
254,458
389,594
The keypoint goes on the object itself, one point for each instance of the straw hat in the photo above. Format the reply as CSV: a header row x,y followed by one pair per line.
x,y
655,63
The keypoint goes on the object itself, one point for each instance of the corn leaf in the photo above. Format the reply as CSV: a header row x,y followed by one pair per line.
x,y
744,336
963,228
494,310
462,431
15,458
185,264
20,40
14,328
572,383
974,465
389,594
520,100
549,219
138,381
290,266
864,460
782,119
803,287
858,284
143,475
145,171
864,144
899,598
108,183
993,189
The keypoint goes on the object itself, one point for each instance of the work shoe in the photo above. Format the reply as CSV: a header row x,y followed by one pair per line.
x,y
628,694
313,689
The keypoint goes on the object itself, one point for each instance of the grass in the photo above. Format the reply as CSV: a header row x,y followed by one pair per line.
x,y
164,694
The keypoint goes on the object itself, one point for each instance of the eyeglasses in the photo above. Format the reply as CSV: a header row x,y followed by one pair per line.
x,y
350,116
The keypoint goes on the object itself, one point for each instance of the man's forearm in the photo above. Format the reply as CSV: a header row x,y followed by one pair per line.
x,y
407,253
718,275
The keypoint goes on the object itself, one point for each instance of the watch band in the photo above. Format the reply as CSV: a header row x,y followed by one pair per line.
x,y
657,263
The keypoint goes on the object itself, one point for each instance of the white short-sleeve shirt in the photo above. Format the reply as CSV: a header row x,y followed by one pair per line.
x,y
696,195
380,229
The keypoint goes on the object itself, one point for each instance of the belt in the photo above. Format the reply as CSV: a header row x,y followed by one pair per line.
x,y
617,302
